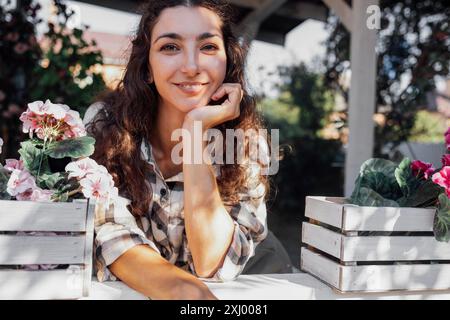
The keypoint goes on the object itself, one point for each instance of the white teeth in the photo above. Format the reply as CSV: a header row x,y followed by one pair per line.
x,y
195,86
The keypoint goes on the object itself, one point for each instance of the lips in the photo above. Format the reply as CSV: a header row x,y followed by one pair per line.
x,y
191,87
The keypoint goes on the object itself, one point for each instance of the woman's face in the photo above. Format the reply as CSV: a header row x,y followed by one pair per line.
x,y
187,56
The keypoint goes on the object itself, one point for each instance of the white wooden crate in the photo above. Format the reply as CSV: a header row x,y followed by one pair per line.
x,y
338,250
72,245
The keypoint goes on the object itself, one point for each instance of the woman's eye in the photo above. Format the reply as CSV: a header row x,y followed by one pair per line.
x,y
210,47
169,47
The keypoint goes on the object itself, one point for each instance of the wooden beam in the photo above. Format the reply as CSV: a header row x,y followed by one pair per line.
x,y
247,3
343,11
296,10
304,11
249,27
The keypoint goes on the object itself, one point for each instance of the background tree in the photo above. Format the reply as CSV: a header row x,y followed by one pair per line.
x,y
413,48
64,70
312,163
19,55
68,72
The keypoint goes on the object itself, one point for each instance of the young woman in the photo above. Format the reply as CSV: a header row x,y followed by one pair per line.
x,y
176,223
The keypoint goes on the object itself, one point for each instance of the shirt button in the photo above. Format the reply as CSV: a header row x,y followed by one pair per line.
x,y
163,192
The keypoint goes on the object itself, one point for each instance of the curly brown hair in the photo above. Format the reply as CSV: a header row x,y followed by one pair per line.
x,y
130,110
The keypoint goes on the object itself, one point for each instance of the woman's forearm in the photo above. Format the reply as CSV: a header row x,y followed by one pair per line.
x,y
209,227
145,271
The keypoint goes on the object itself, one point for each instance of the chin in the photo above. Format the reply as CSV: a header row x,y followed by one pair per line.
x,y
191,105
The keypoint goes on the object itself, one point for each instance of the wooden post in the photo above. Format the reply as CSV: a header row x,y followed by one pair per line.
x,y
362,87
362,93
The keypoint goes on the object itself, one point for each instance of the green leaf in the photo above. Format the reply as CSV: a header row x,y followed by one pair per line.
x,y
441,225
4,177
403,175
48,181
73,148
31,156
377,175
369,198
424,195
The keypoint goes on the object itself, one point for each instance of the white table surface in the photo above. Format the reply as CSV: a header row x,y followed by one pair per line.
x,y
294,286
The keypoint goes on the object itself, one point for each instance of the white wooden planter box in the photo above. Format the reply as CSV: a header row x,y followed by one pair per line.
x,y
75,220
338,250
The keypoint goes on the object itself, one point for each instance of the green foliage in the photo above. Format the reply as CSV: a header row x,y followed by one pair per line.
x,y
4,177
19,55
413,48
428,127
69,74
309,95
73,148
49,181
442,219
383,183
376,184
311,164
33,158
63,70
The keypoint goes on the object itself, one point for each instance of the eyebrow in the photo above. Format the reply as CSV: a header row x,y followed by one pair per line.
x,y
176,36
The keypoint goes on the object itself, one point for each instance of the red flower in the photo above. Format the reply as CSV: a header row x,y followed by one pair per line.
x,y
446,160
422,169
447,138
442,178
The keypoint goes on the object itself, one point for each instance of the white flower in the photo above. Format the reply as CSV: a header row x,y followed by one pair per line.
x,y
80,168
20,181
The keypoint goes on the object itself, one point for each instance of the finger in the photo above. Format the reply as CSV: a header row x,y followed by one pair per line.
x,y
234,96
233,91
220,92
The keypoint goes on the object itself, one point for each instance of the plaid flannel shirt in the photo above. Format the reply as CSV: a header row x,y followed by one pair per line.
x,y
163,229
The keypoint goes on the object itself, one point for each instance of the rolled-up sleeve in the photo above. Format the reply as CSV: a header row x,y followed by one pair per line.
x,y
116,231
250,227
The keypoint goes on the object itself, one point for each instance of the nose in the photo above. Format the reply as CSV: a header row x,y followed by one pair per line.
x,y
190,65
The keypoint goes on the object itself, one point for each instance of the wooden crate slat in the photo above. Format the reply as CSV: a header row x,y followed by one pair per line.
x,y
374,248
322,239
88,248
387,219
17,249
395,277
51,284
41,216
319,266
376,278
398,248
324,210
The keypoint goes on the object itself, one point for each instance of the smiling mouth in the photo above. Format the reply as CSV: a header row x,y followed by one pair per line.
x,y
191,88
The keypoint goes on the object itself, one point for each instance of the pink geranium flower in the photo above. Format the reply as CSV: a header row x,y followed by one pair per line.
x,y
19,182
97,185
41,195
13,164
79,169
442,178
25,196
52,121
422,169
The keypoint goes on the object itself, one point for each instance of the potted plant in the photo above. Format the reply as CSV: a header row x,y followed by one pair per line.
x,y
46,214
391,234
